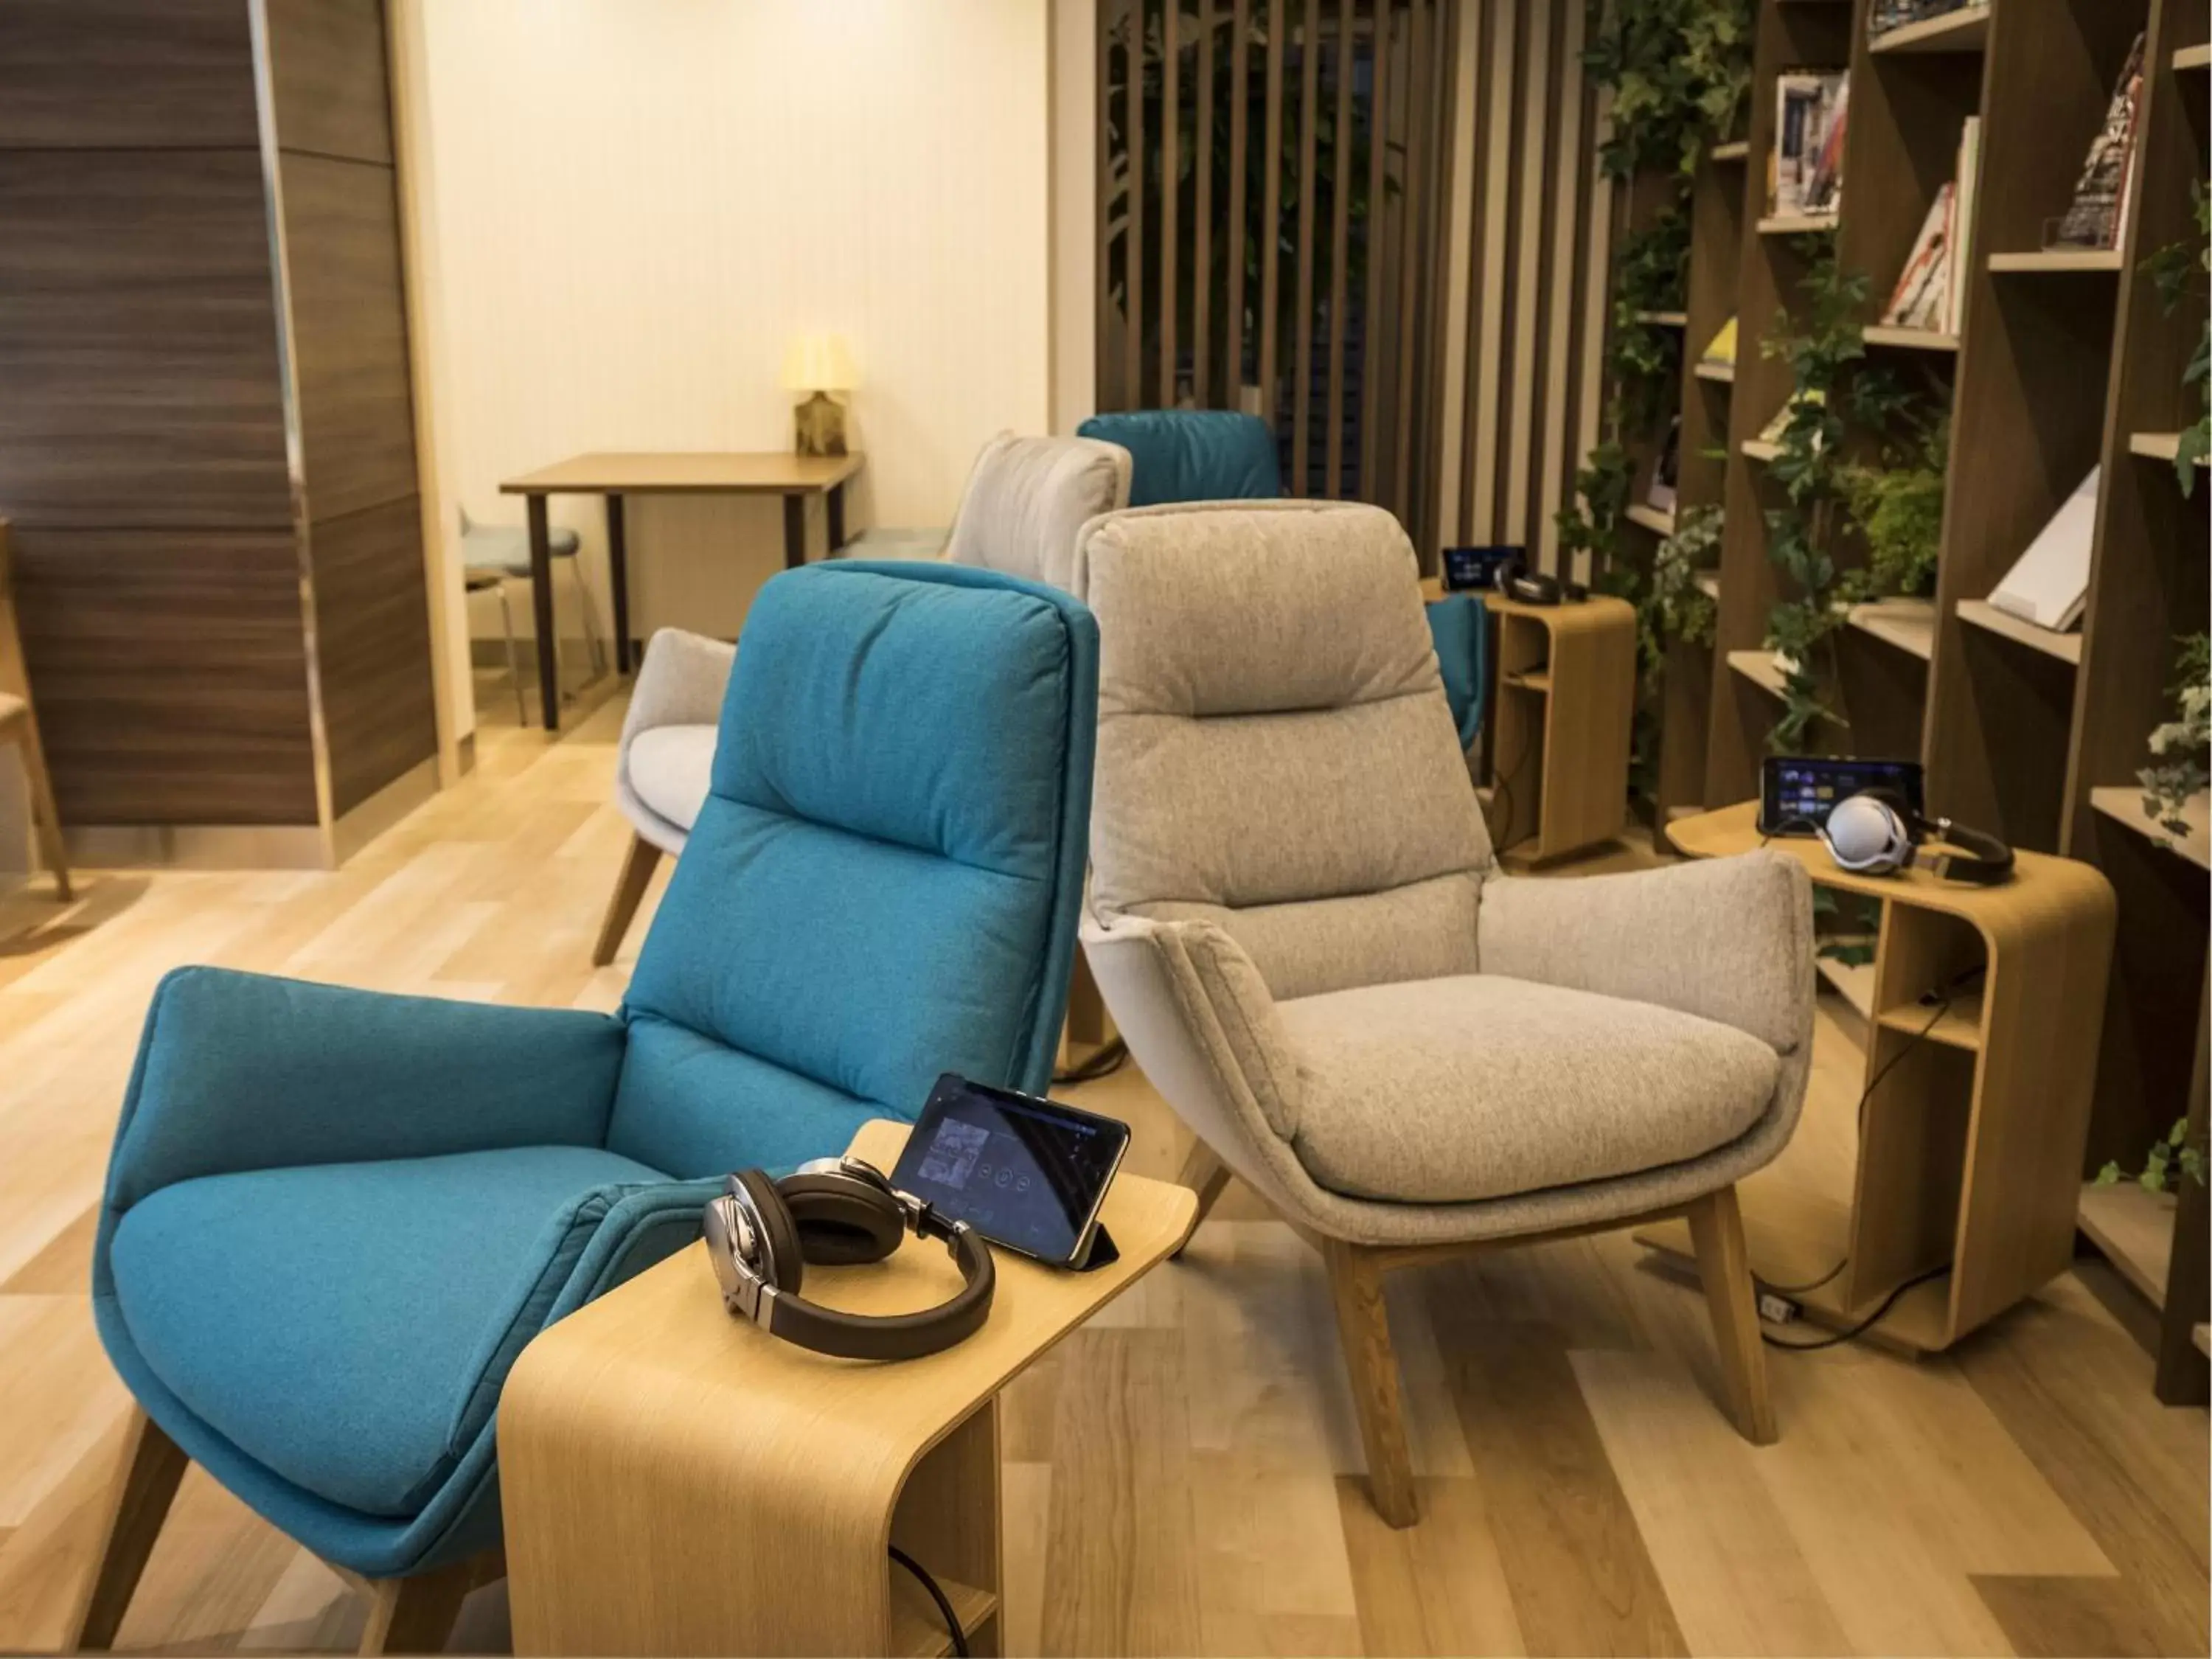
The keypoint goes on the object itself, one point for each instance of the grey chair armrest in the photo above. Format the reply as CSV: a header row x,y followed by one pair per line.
x,y
680,682
1728,940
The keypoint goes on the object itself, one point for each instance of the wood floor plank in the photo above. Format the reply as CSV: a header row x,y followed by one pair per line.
x,y
63,1266
1733,1573
1025,1493
1581,1580
1438,1587
58,1400
2050,1618
1271,1557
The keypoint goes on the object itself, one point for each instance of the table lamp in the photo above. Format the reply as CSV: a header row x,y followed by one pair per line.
x,y
819,364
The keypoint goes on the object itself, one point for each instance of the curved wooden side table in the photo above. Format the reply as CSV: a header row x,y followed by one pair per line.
x,y
675,1482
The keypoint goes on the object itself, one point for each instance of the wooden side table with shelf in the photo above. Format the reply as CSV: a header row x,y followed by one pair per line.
x,y
678,1482
1969,1150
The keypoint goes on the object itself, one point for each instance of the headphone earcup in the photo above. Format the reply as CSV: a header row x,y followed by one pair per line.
x,y
1867,836
839,1220
785,1262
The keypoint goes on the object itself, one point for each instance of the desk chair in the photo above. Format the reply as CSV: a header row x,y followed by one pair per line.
x,y
1025,499
334,1217
1295,920
493,556
18,724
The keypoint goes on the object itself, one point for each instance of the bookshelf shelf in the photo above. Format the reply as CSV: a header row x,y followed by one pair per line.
x,y
1959,1026
1761,450
1757,666
2135,1230
1664,319
1657,521
1980,613
1965,30
1739,150
1907,624
2125,806
1796,224
2156,446
1911,339
1707,582
1852,980
1718,373
2193,60
2057,261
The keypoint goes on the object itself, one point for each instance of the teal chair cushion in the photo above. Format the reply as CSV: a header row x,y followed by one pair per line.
x,y
888,833
1461,628
1192,454
348,1326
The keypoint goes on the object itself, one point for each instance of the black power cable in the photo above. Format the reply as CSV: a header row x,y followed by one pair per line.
x,y
1839,1337
944,1606
1107,1061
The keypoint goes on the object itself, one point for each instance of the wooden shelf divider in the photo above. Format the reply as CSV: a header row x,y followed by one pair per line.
x,y
1967,30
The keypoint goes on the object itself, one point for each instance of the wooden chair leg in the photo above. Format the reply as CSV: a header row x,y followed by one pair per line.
x,y
1362,1326
46,820
417,1614
638,865
1716,1231
1206,1175
152,1466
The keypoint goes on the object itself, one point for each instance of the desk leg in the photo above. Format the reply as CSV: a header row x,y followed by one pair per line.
x,y
795,531
541,616
618,578
837,509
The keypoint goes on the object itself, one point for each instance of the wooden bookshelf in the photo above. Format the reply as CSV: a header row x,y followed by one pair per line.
x,y
1657,519
1732,154
2062,360
1723,374
2125,806
1796,224
1664,319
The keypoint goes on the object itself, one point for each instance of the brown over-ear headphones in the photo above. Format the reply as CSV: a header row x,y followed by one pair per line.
x,y
833,1211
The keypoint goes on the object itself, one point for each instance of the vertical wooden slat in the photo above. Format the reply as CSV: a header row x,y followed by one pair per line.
x,y
1339,247
1133,241
1233,300
1302,310
1593,265
1422,64
1561,200
1106,360
1371,330
1475,413
1170,191
1535,154
1201,337
1445,101
1271,211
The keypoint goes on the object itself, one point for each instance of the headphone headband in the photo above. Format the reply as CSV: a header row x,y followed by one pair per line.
x,y
761,1233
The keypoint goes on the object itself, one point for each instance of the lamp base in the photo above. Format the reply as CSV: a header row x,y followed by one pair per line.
x,y
818,426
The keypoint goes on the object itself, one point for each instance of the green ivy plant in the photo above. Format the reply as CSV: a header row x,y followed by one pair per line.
x,y
2175,269
2168,1160
1898,507
1682,610
2180,744
1679,72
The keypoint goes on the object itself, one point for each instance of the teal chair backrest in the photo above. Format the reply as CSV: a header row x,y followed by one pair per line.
x,y
1192,454
893,841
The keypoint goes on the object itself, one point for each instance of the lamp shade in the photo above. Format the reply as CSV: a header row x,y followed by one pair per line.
x,y
819,362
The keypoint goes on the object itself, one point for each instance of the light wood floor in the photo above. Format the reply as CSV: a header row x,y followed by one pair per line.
x,y
1183,1475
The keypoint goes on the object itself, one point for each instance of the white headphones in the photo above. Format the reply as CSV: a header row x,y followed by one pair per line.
x,y
1872,833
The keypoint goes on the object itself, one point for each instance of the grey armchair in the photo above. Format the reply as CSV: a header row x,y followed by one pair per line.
x,y
1026,500
1297,924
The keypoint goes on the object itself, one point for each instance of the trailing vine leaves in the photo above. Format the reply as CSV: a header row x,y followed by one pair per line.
x,y
1898,507
1678,71
2175,269
2179,746
1682,610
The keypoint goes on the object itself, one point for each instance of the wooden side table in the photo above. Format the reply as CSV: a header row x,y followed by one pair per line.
x,y
676,1482
1969,1151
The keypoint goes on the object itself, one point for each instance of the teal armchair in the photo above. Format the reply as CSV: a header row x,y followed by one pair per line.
x,y
334,1218
1219,455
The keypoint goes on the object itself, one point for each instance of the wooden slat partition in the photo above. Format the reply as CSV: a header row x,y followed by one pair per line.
x,y
1301,347
1340,255
1240,111
1170,188
1371,338
1202,175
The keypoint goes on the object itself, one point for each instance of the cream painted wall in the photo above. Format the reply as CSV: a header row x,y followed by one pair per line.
x,y
624,209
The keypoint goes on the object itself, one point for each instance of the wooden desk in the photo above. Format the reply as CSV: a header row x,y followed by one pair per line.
x,y
1970,1151
676,1482
616,476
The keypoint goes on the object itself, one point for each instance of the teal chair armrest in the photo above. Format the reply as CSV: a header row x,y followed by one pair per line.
x,y
1459,626
246,1072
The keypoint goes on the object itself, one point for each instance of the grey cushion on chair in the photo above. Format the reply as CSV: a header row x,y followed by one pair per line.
x,y
670,767
1026,498
1297,923
667,750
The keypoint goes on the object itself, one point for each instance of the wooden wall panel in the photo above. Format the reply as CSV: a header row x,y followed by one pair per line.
x,y
126,75
348,334
138,341
170,671
373,647
327,72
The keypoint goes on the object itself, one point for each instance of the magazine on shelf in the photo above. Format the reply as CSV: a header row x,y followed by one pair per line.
x,y
1805,175
2049,584
1720,351
1772,432
1922,297
2100,198
1966,191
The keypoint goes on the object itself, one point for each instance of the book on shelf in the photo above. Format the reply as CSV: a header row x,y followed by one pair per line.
x,y
1967,189
1668,473
1772,432
1720,350
2108,176
1805,175
2049,584
1888,15
1922,294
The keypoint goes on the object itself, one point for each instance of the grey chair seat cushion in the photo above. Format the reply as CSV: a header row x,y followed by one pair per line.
x,y
670,767
506,550
1446,1090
